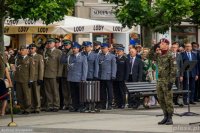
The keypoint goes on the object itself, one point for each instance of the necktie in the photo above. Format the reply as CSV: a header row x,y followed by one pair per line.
x,y
189,56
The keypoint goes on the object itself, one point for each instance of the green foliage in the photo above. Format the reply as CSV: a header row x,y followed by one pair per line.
x,y
47,10
158,15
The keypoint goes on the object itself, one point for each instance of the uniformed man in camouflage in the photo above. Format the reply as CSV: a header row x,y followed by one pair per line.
x,y
38,78
24,77
52,72
166,77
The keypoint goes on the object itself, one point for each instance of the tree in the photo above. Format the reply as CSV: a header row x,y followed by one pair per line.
x,y
46,10
156,15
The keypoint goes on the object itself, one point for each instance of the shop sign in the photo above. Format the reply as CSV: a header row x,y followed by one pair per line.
x,y
102,12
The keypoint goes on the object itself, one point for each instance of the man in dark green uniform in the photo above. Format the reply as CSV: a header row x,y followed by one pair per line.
x,y
38,78
166,77
24,77
52,71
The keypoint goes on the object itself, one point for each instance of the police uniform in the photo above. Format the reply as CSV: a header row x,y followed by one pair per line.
x,y
38,79
52,70
24,76
77,66
65,84
107,73
122,75
93,65
166,77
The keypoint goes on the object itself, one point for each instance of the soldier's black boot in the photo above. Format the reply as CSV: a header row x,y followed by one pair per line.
x,y
164,119
169,120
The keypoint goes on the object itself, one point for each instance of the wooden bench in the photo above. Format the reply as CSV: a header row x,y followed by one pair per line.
x,y
138,90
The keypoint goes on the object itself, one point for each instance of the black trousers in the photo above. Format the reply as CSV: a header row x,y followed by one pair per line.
x,y
191,88
75,94
106,92
119,93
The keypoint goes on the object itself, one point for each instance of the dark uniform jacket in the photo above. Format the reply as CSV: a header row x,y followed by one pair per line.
x,y
123,68
25,69
39,66
53,67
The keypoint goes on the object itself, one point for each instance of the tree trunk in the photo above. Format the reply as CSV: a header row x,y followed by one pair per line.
x,y
146,37
2,64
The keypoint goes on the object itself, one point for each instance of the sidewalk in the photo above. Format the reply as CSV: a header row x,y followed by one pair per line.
x,y
117,120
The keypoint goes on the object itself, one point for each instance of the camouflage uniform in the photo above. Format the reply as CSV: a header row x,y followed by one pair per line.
x,y
166,77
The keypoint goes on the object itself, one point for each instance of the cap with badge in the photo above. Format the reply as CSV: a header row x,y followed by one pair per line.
x,y
67,42
120,48
87,43
103,45
32,45
76,45
97,43
50,40
23,47
57,40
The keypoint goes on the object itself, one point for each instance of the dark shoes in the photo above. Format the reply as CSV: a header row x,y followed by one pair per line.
x,y
164,119
167,120
192,102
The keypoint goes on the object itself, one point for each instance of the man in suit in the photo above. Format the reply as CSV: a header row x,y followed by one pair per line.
x,y
107,73
136,67
179,64
67,44
122,74
195,49
52,71
193,75
38,78
77,66
24,77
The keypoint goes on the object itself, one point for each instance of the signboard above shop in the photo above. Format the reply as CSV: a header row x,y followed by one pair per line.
x,y
102,12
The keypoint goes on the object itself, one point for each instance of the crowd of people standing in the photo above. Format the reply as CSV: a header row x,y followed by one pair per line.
x,y
48,78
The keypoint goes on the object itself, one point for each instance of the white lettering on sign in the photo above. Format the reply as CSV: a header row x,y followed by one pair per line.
x,y
11,22
98,27
43,30
117,28
79,29
29,22
23,29
6,30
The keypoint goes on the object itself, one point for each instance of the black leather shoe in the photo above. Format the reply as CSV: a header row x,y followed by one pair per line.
x,y
55,110
25,113
49,110
109,108
169,120
192,103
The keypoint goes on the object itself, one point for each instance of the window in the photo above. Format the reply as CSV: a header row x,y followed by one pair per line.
x,y
183,34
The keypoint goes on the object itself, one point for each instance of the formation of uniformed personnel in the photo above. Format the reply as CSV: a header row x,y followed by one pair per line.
x,y
107,73
24,77
119,87
52,71
166,77
67,44
77,71
38,78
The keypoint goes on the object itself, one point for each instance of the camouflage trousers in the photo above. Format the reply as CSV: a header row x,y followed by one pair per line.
x,y
165,97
